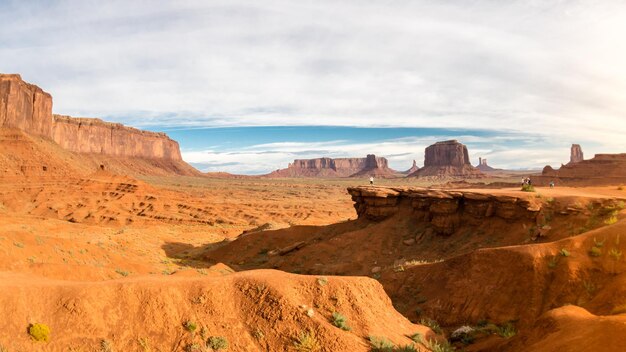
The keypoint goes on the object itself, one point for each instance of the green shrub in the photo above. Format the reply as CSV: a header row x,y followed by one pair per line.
x,y
506,330
564,252
122,272
380,344
528,188
39,332
340,321
615,253
553,261
432,324
190,326
217,343
436,346
597,243
307,342
417,337
406,348
595,251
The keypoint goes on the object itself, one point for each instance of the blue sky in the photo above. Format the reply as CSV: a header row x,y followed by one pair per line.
x,y
549,73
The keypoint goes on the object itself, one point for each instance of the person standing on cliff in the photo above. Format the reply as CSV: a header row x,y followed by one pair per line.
x,y
371,180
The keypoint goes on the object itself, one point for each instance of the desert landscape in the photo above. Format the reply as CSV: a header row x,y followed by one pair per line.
x,y
327,176
111,242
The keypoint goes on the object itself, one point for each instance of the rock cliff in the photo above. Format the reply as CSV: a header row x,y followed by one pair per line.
x,y
413,168
576,154
339,167
28,108
447,159
444,211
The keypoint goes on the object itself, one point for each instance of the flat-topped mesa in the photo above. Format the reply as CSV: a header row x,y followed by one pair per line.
x,y
447,159
444,211
91,135
602,169
576,154
339,167
28,108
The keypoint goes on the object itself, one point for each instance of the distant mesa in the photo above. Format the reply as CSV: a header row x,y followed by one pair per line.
x,y
602,169
576,154
338,167
447,159
26,107
482,165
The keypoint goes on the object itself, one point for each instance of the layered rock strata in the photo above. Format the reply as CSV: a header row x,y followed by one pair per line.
x,y
602,169
445,211
447,159
28,108
340,167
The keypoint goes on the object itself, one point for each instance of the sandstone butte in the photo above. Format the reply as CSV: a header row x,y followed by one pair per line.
x,y
337,167
28,108
602,169
447,159
483,166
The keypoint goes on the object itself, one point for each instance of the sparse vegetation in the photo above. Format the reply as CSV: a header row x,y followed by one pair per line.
x,y
597,243
595,251
553,261
106,346
432,324
436,346
258,334
39,332
380,344
406,348
190,326
528,188
590,287
340,321
507,330
417,337
322,280
307,342
615,253
217,343
122,272
564,252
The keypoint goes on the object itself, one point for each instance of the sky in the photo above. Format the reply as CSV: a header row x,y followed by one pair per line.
x,y
247,86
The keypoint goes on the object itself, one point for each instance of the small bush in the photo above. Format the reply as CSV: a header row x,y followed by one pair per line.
x,y
406,348
432,324
553,261
507,330
307,342
190,326
436,346
39,332
340,321
193,347
122,272
528,188
564,252
258,334
380,344
597,243
611,220
615,253
322,280
595,252
217,343
417,337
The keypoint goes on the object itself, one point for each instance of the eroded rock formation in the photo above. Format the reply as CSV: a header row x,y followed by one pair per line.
x,y
340,167
576,154
447,159
482,165
602,169
413,168
28,108
445,211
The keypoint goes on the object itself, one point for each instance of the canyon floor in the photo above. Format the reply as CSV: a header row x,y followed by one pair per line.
x,y
115,263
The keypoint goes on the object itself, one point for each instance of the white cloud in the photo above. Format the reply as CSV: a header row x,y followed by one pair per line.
x,y
554,68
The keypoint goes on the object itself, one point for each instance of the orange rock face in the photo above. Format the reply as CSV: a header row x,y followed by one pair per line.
x,y
27,107
340,167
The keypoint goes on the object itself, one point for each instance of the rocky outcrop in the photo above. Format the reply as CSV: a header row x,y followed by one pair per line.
x,y
602,169
444,211
24,106
576,154
340,167
447,159
413,168
87,135
28,108
482,165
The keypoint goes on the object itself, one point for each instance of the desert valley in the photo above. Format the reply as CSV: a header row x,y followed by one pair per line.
x,y
109,241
